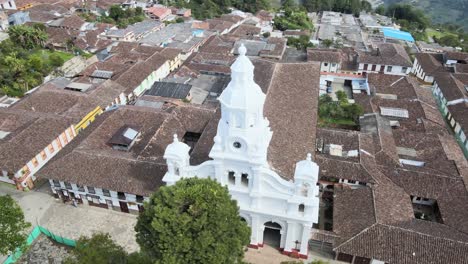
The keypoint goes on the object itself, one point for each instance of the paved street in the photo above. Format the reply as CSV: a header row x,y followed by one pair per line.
x,y
63,219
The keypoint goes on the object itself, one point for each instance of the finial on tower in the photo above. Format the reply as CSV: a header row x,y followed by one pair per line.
x,y
242,50
175,138
309,157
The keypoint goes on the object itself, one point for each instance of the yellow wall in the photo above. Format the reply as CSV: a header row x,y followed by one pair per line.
x,y
88,119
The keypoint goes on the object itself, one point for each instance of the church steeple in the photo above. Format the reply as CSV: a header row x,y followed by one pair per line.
x,y
243,132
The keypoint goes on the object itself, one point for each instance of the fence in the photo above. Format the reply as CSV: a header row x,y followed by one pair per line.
x,y
37,231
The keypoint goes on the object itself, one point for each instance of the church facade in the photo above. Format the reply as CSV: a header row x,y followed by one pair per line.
x,y
280,212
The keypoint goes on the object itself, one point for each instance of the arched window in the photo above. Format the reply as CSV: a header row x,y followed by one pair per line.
x,y
177,172
231,178
245,180
301,208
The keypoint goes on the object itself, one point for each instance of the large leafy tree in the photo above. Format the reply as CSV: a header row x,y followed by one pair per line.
x,y
27,37
193,221
13,227
97,249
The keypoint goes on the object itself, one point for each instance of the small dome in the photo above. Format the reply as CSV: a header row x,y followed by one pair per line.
x,y
242,65
242,92
176,149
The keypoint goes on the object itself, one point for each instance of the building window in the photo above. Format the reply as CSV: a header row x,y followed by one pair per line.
x,y
26,170
56,183
51,148
231,178
365,67
43,155
34,162
59,144
351,181
68,186
245,179
121,195
91,190
237,145
301,208
80,188
404,69
389,68
106,192
140,198
64,138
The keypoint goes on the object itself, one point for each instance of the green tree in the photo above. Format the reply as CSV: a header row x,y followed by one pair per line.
x,y
380,10
97,249
342,97
56,60
193,221
116,12
13,227
327,42
27,37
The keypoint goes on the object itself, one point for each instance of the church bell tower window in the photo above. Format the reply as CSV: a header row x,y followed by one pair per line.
x,y
237,145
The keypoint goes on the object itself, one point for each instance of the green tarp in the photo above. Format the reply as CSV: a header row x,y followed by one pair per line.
x,y
33,235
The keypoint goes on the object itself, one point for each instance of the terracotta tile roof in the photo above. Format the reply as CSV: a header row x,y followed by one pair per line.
x,y
431,63
246,30
159,12
30,133
73,22
139,170
387,54
264,15
452,88
458,56
324,55
302,94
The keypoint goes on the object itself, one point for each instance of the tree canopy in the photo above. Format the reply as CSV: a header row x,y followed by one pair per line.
x,y
202,9
193,221
293,19
24,62
13,227
339,110
97,249
343,6
28,37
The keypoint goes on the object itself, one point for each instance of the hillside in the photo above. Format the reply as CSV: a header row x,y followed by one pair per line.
x,y
442,11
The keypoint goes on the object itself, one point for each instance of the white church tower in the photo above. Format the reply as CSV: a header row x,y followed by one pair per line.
x,y
280,212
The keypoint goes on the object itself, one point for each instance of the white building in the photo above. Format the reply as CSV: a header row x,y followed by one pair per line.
x,y
271,205
387,59
7,5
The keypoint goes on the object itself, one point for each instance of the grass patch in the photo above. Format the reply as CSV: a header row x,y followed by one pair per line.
x,y
430,32
45,54
8,185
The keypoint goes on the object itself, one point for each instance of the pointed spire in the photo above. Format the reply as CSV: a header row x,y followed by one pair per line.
x,y
242,50
175,138
309,157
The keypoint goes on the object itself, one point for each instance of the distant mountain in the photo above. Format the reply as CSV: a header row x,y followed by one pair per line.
x,y
441,11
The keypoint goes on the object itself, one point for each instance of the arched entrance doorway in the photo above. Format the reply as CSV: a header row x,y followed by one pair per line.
x,y
272,234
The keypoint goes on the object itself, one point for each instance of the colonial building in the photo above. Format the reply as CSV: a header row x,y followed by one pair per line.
x,y
239,161
387,59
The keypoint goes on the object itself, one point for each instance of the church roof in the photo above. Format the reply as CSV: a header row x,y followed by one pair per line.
x,y
291,107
